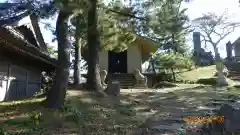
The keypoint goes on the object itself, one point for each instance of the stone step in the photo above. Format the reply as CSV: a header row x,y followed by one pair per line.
x,y
126,80
235,78
233,74
123,79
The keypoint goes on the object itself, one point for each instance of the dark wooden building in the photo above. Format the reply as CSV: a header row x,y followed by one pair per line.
x,y
22,61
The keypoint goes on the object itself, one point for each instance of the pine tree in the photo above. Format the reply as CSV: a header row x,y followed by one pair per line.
x,y
169,29
171,26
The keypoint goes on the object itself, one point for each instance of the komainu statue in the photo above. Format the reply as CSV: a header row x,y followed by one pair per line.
x,y
103,75
141,80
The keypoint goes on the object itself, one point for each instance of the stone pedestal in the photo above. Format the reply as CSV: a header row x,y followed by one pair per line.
x,y
142,84
229,48
113,88
221,79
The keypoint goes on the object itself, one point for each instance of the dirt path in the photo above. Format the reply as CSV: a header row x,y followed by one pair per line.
x,y
163,110
170,108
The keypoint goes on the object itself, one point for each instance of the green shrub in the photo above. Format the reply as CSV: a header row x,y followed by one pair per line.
x,y
207,81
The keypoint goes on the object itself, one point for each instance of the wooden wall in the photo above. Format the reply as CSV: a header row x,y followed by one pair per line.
x,y
18,81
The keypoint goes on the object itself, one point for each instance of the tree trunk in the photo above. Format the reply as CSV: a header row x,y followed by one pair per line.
x,y
38,34
153,67
93,39
175,51
77,66
56,95
173,74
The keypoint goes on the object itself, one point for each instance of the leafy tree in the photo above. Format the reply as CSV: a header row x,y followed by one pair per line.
x,y
93,40
210,25
173,60
56,95
169,28
165,23
52,51
115,25
115,33
80,26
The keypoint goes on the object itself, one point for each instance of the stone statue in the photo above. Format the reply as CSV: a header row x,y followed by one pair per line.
x,y
141,80
221,79
103,75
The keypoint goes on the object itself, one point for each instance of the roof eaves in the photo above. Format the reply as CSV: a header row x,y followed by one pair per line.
x,y
147,38
20,36
237,40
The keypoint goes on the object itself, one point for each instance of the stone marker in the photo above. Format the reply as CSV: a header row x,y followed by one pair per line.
x,y
227,111
233,123
113,88
231,119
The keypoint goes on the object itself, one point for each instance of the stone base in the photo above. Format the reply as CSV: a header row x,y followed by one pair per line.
x,y
222,80
140,87
113,88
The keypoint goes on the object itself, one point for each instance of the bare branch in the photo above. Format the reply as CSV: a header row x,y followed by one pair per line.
x,y
225,35
218,34
126,14
209,24
204,40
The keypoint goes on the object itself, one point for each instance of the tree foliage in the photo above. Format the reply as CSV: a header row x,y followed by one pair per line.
x,y
167,24
43,8
174,60
112,35
110,27
52,51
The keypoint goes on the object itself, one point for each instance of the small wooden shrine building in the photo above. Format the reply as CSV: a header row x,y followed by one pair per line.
x,y
22,61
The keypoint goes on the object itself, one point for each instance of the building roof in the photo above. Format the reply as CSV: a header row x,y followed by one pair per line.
x,y
27,34
21,37
14,38
147,46
237,41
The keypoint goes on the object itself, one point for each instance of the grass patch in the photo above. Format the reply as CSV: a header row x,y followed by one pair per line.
x,y
207,81
195,74
82,114
203,75
85,113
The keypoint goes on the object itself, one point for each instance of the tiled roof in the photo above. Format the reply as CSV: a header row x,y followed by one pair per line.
x,y
14,39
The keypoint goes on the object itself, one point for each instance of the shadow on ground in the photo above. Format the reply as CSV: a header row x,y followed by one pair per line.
x,y
86,113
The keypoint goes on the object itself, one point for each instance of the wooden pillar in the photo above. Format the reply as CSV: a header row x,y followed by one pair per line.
x,y
40,81
8,76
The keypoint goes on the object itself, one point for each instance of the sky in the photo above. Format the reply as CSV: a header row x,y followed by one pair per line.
x,y
195,9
